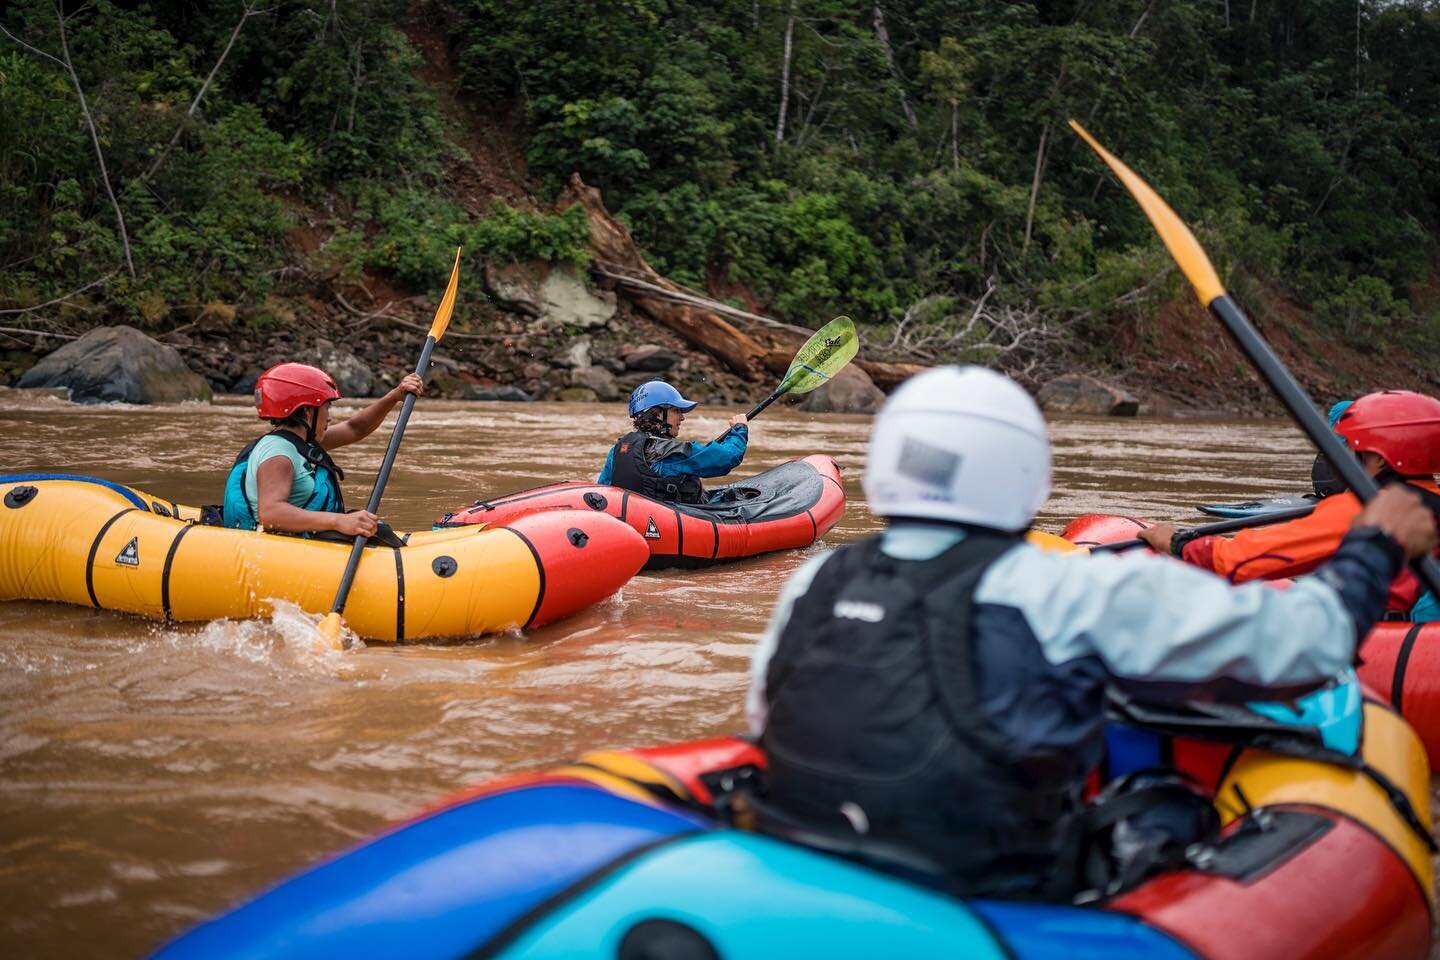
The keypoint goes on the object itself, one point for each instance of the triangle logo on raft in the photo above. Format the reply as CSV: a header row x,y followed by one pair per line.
x,y
652,532
130,556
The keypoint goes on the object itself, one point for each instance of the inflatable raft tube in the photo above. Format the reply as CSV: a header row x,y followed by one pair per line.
x,y
784,508
620,855
1256,508
95,543
1400,661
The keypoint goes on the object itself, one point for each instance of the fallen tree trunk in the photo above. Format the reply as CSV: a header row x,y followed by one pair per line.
x,y
888,376
699,319
616,253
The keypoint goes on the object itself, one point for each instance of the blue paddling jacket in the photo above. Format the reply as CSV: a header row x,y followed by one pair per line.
x,y
666,469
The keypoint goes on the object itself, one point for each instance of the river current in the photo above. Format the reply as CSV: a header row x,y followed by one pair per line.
x,y
151,776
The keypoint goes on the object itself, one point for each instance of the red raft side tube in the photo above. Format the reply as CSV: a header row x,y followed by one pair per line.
x,y
582,559
1319,866
1400,662
1093,529
784,508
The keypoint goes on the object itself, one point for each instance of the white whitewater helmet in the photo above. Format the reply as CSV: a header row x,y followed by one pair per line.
x,y
963,444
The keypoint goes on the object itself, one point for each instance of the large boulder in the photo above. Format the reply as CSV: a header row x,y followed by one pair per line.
x,y
599,379
650,358
350,373
554,296
577,395
849,391
1081,393
576,355
508,394
118,364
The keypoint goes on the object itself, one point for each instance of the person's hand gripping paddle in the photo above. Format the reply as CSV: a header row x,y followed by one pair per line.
x,y
825,354
1202,276
330,627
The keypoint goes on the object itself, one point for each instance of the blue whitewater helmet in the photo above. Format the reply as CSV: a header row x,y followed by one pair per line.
x,y
657,393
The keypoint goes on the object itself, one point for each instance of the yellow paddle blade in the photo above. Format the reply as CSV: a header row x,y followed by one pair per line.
x,y
447,302
328,631
824,355
1176,236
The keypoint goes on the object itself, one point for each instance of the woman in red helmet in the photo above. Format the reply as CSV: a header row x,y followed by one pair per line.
x,y
1396,435
285,481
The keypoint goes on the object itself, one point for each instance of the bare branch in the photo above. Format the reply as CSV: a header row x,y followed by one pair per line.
x,y
696,300
883,35
35,50
249,12
94,137
38,334
785,76
1035,189
357,80
381,314
60,299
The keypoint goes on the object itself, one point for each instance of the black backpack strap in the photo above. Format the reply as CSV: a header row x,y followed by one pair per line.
x,y
311,453
839,567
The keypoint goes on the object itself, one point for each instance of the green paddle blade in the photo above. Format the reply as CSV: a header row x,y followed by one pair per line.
x,y
823,356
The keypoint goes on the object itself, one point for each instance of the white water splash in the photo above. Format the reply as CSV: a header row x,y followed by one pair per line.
x,y
288,636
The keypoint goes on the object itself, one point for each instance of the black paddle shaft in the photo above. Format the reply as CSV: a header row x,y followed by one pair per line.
x,y
1283,385
381,478
756,410
1214,529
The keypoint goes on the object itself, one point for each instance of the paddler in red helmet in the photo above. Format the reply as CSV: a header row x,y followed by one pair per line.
x,y
1396,435
285,481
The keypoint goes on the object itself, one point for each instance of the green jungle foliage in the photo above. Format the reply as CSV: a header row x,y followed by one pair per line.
x,y
917,162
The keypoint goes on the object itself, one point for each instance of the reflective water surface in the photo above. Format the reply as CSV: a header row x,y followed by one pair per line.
x,y
151,775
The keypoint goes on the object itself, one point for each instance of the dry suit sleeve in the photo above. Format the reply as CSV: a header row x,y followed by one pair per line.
x,y
1182,633
1279,550
713,459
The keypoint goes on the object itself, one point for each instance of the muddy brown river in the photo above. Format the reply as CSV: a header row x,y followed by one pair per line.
x,y
151,776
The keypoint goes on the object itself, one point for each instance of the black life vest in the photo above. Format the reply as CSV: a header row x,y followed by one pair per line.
x,y
875,725
631,470
326,498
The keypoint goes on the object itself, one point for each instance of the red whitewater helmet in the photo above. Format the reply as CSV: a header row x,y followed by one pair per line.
x,y
286,387
1399,425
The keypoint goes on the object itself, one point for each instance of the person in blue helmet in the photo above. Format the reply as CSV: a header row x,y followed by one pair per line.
x,y
653,461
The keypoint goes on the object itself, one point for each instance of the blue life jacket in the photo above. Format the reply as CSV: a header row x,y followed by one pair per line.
x,y
1427,610
326,498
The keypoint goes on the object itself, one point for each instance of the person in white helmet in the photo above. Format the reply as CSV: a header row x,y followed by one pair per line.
x,y
940,688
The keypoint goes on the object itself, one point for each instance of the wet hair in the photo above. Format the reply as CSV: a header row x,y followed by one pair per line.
x,y
652,421
302,420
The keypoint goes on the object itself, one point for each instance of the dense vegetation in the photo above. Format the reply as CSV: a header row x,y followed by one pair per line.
x,y
917,165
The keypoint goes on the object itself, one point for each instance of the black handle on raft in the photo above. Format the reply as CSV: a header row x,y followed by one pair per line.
x,y
383,477
1213,529
1283,385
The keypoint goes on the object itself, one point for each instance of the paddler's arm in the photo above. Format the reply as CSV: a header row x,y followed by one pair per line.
x,y
608,470
1263,553
714,459
274,511
362,423
1183,634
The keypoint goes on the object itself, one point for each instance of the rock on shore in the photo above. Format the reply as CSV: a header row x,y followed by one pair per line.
x,y
1078,393
118,364
851,391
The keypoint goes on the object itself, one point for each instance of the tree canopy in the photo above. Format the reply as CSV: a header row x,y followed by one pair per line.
x,y
899,161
